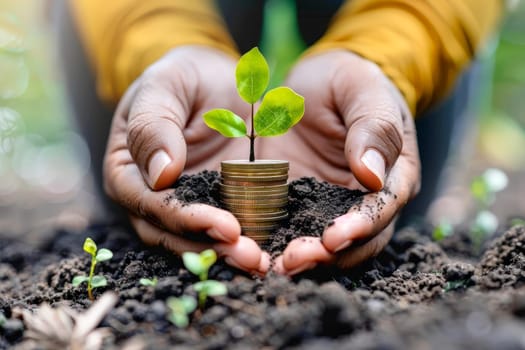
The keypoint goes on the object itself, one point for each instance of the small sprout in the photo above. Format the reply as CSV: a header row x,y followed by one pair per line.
x,y
444,229
148,282
485,186
199,265
208,288
281,108
3,320
97,255
180,309
453,285
484,189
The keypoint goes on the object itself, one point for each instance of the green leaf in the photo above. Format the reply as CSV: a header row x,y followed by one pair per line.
x,y
225,122
148,282
211,287
104,254
441,231
193,262
252,75
77,280
280,109
98,281
90,247
179,320
208,258
188,303
180,308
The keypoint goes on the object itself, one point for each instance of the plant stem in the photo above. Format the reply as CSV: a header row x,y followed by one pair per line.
x,y
91,272
202,299
252,140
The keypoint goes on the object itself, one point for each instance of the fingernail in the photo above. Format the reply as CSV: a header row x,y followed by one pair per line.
x,y
343,245
218,235
375,163
264,264
158,162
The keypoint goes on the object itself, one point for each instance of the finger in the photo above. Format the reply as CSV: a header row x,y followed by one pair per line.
x,y
302,254
374,113
155,122
377,210
126,186
373,143
355,255
244,254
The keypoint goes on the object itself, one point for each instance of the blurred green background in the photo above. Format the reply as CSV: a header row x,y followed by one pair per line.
x,y
44,166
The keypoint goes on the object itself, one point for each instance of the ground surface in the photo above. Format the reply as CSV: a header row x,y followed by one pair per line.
x,y
418,294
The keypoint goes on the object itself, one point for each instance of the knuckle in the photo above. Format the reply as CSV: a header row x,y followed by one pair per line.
x,y
389,129
140,135
164,241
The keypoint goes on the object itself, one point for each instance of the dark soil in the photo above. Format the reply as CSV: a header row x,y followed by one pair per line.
x,y
417,294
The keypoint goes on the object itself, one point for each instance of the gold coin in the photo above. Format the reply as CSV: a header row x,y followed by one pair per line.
x,y
257,164
255,196
258,238
256,211
256,217
277,171
261,221
252,183
256,179
254,202
259,194
274,188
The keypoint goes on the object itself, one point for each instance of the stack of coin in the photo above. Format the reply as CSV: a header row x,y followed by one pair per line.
x,y
256,193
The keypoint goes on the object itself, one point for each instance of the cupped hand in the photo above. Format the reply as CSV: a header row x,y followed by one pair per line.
x,y
157,134
357,132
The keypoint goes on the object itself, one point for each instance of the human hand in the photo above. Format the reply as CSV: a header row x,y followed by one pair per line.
x,y
157,133
357,132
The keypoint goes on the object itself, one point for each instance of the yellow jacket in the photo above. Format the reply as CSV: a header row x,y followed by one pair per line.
x,y
421,45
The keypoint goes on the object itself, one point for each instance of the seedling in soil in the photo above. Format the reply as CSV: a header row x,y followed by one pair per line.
x,y
281,108
180,309
97,255
199,264
444,229
148,282
484,188
453,285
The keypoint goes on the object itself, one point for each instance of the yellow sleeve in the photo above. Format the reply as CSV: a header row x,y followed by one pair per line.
x,y
123,37
421,45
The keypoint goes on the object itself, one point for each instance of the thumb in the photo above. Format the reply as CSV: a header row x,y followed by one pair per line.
x,y
373,144
155,138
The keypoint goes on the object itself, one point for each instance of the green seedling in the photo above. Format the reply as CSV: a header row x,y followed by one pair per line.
x,y
444,229
148,282
199,264
484,188
454,285
97,255
180,308
280,109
